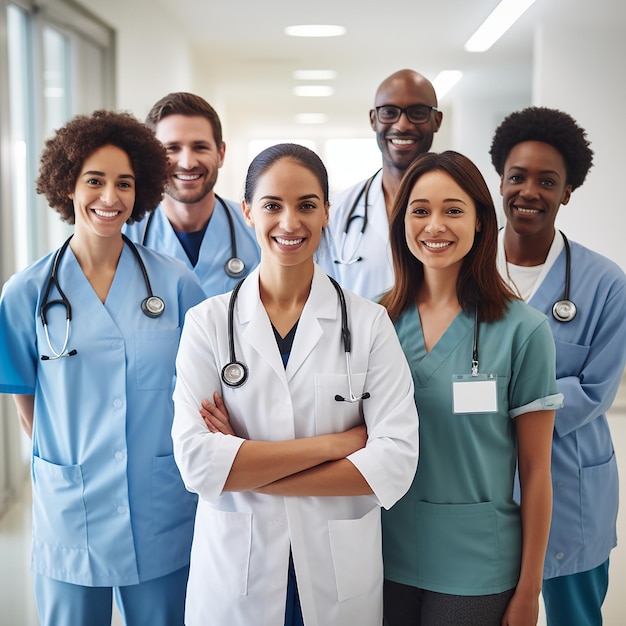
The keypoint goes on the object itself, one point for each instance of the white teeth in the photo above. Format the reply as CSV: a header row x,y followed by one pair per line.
x,y
523,210
102,213
402,142
187,176
288,242
437,244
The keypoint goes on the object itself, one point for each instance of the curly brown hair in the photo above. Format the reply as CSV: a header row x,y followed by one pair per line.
x,y
66,151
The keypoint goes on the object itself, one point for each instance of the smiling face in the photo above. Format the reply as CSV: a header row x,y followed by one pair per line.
x,y
193,154
533,187
440,222
104,194
288,213
402,141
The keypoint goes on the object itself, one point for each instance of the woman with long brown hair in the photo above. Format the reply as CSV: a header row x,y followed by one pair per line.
x,y
457,548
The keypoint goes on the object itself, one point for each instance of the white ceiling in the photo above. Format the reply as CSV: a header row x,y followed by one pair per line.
x,y
251,60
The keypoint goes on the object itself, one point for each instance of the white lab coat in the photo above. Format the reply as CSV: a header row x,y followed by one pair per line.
x,y
241,543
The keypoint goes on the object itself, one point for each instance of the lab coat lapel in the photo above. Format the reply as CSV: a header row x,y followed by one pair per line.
x,y
322,303
257,329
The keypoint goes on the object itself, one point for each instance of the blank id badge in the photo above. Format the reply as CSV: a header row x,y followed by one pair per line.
x,y
474,394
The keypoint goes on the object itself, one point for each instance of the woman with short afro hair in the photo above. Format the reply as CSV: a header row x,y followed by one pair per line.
x,y
88,340
542,156
65,153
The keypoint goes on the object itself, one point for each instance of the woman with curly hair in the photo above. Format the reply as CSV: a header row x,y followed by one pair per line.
x,y
88,339
458,550
542,155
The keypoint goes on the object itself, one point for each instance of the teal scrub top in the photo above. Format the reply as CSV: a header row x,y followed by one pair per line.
x,y
458,528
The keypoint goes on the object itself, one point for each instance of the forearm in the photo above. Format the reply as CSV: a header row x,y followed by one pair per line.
x,y
259,463
536,512
334,478
25,405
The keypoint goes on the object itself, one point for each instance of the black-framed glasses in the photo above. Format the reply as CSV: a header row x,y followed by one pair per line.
x,y
416,113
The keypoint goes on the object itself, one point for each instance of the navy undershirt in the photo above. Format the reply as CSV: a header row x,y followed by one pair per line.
x,y
191,243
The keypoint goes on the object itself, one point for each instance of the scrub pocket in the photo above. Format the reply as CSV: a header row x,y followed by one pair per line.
x,y
155,356
599,500
172,504
356,548
332,416
59,515
458,546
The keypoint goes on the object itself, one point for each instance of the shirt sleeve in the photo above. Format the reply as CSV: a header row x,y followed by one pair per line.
x,y
533,378
389,460
18,338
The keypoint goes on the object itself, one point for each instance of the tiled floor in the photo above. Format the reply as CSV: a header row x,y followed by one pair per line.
x,y
16,597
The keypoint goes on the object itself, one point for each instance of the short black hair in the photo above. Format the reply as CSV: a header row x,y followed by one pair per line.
x,y
550,126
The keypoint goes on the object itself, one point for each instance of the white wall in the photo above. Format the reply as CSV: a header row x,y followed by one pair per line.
x,y
585,78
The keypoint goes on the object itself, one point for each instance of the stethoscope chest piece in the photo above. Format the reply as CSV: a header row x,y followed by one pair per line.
x,y
564,310
234,374
153,306
234,267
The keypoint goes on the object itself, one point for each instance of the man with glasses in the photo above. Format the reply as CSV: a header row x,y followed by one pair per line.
x,y
405,117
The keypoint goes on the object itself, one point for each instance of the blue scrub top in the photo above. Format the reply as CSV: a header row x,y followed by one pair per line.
x,y
458,528
215,249
109,506
590,359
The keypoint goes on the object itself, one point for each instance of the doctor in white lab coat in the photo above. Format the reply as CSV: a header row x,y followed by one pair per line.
x,y
291,479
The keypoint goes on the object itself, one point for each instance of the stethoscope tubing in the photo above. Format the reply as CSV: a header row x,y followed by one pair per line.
x,y
234,266
363,193
152,306
235,373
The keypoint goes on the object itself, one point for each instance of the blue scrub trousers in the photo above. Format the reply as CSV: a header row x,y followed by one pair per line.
x,y
157,602
576,600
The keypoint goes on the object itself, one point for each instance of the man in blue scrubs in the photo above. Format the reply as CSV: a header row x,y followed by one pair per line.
x,y
542,156
193,223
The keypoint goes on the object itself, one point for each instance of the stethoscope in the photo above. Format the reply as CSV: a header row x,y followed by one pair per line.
x,y
342,257
152,306
565,310
235,373
234,266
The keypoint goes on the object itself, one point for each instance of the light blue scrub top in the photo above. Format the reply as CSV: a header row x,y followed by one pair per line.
x,y
109,506
215,249
373,274
590,359
458,528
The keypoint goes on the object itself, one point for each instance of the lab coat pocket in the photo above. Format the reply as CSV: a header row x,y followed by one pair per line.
x,y
172,504
59,515
155,356
333,416
222,543
356,548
